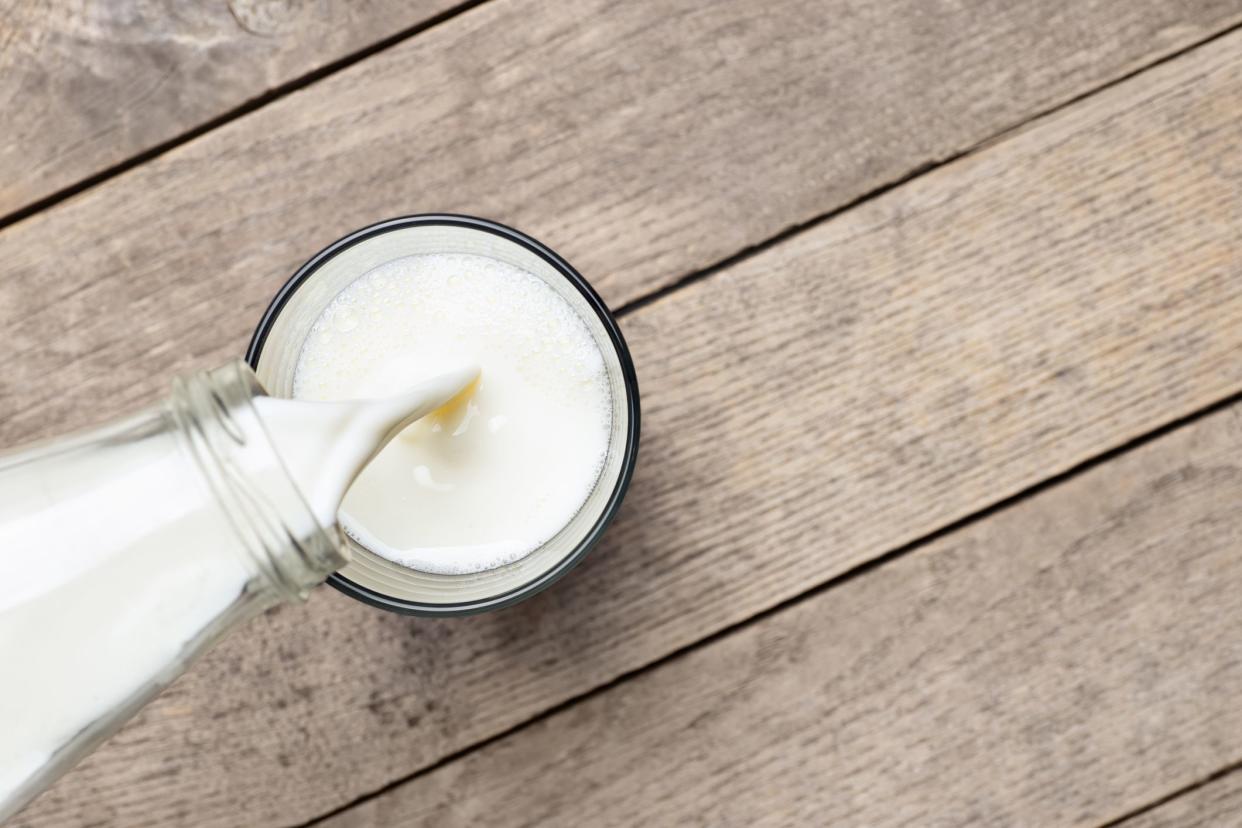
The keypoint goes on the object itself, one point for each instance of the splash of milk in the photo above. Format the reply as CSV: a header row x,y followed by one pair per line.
x,y
325,445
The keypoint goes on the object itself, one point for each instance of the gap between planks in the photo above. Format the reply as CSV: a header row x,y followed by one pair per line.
x,y
845,577
891,555
941,662
738,260
918,172
602,203
281,90
1150,815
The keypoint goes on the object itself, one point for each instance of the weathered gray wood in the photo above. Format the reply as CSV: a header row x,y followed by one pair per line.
x,y
85,86
863,384
1054,665
1216,804
643,140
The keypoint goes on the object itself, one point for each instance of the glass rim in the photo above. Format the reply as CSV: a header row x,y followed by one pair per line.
x,y
594,301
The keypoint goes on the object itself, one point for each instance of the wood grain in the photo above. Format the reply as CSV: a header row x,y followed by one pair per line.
x,y
839,395
1217,803
642,140
86,86
1055,664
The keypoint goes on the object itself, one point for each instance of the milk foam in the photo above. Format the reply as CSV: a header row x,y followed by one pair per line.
x,y
497,473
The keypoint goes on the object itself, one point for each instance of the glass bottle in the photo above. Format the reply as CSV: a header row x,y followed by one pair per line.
x,y
128,550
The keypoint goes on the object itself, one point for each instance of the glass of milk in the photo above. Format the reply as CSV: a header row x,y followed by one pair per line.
x,y
504,490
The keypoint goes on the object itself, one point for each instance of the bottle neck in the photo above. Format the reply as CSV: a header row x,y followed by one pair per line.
x,y
214,411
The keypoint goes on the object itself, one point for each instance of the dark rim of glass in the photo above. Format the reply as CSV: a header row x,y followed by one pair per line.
x,y
592,298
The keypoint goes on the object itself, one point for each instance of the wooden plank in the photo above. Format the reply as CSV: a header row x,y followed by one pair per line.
x,y
859,386
643,140
1055,664
1217,803
86,86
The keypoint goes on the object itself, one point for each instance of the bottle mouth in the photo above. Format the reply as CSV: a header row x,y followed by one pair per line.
x,y
276,525
277,343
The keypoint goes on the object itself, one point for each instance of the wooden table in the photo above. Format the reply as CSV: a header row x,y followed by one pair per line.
x,y
937,313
